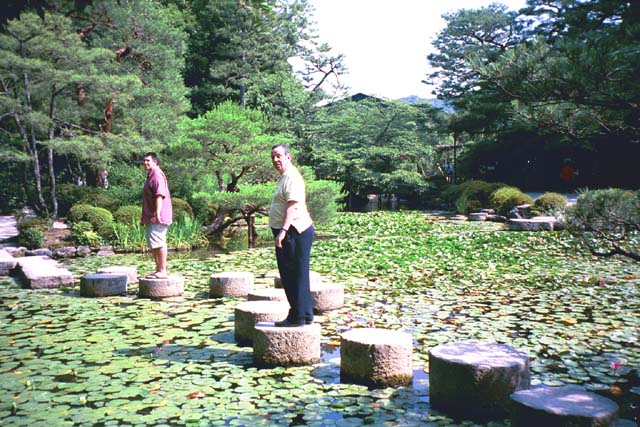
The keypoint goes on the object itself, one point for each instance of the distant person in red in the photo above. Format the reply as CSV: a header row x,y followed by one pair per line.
x,y
157,214
567,173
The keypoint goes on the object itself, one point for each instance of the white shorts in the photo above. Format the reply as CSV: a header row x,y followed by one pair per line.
x,y
156,235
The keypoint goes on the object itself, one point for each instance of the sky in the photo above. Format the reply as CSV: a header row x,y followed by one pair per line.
x,y
386,42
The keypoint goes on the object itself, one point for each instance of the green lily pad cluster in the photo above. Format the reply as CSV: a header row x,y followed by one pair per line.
x,y
69,360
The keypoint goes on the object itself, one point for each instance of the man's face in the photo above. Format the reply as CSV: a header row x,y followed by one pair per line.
x,y
280,159
149,163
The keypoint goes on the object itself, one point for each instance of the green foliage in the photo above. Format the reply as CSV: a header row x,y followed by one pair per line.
x,y
322,199
375,146
128,214
506,198
100,218
69,195
82,233
462,204
473,190
607,221
31,231
129,237
186,234
549,203
31,238
181,209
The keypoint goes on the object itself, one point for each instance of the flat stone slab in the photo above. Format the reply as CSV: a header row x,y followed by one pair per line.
x,y
376,357
103,285
130,272
7,262
476,379
477,216
539,223
314,279
172,286
326,296
231,284
267,294
41,272
286,346
248,313
567,406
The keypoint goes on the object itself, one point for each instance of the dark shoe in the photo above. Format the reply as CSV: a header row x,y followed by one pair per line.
x,y
286,323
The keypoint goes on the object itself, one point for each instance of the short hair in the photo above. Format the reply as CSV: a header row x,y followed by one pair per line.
x,y
153,156
286,148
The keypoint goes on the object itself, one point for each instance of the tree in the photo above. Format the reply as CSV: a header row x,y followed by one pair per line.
x,y
231,144
577,78
373,146
43,62
607,221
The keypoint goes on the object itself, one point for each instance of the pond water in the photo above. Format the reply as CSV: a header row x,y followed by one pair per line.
x,y
67,360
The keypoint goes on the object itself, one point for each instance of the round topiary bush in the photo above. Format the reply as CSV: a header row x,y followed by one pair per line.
x,y
181,209
100,218
31,238
549,203
506,198
128,214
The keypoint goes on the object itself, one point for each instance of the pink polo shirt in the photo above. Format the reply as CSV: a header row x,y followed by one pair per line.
x,y
156,185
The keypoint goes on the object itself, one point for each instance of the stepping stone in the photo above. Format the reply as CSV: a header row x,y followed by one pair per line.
x,y
376,357
327,296
7,262
477,216
41,272
172,286
103,285
286,346
314,279
130,272
475,379
539,223
567,406
267,294
230,284
248,313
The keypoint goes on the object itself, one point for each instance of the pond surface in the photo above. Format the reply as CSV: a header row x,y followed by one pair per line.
x,y
68,360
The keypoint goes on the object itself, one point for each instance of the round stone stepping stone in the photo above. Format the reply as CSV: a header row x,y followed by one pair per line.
x,y
314,278
130,272
566,406
327,296
286,346
103,285
230,284
248,313
267,294
475,379
171,286
376,357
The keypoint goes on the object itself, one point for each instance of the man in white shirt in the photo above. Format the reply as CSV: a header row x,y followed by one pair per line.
x,y
293,232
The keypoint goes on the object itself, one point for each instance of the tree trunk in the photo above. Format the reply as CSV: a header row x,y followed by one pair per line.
x,y
52,174
32,142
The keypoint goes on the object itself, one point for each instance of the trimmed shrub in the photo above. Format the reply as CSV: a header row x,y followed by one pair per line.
x,y
128,214
181,209
100,218
69,195
506,198
82,233
31,238
550,203
100,198
473,190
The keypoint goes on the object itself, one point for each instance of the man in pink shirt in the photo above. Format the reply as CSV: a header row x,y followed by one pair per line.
x,y
157,213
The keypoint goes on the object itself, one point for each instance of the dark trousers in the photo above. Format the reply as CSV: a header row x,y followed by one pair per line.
x,y
293,264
